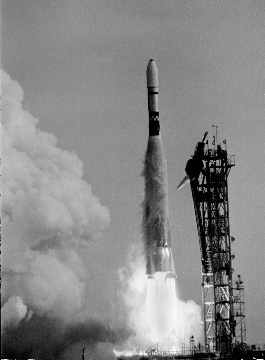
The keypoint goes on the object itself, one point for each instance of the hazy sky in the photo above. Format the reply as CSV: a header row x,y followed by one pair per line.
x,y
82,67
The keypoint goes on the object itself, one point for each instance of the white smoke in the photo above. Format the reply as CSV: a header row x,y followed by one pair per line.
x,y
134,281
13,312
133,293
49,214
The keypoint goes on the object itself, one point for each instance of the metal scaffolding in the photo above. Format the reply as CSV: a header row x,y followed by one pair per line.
x,y
210,197
239,311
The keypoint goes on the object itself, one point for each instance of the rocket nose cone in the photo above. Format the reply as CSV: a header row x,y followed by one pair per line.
x,y
152,74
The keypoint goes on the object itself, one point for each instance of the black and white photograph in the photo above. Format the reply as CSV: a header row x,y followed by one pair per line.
x,y
132,179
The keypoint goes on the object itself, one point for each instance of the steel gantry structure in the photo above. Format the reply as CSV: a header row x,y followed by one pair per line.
x,y
208,171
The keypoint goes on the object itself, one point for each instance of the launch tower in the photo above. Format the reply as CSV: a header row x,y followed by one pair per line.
x,y
210,197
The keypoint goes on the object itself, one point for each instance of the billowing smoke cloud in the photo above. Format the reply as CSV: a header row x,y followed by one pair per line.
x,y
13,311
49,217
57,341
133,292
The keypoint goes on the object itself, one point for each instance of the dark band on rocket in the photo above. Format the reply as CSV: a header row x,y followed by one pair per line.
x,y
154,125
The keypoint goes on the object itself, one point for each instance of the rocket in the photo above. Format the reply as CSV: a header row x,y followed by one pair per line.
x,y
156,212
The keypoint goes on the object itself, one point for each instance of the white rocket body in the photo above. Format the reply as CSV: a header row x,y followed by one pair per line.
x,y
156,212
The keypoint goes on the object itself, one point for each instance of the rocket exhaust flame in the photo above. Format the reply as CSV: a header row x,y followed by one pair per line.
x,y
161,284
161,305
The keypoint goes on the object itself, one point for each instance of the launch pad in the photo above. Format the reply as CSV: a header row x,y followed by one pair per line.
x,y
169,352
156,353
223,298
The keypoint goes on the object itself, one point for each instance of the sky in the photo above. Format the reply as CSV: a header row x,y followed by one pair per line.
x,y
81,65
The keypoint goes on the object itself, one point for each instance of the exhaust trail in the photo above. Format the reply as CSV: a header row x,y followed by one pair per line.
x,y
161,284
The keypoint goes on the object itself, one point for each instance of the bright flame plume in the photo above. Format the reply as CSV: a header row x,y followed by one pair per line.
x,y
161,305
